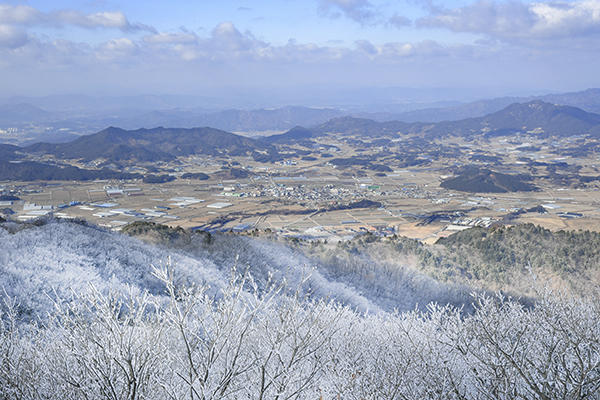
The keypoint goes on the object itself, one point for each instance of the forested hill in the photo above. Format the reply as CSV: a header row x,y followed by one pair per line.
x,y
8,152
475,180
505,258
32,171
498,259
118,145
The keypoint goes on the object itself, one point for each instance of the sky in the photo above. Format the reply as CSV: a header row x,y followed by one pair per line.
x,y
299,50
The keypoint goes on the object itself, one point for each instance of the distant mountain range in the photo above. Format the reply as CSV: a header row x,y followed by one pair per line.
x,y
536,117
121,147
238,120
117,145
63,118
588,100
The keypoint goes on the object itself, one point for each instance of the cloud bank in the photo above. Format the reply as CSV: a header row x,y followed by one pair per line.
x,y
521,23
483,43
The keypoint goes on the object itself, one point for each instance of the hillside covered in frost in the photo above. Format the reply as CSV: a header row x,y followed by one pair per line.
x,y
54,258
169,314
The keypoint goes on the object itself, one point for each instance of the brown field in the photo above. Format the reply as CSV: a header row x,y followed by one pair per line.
x,y
401,212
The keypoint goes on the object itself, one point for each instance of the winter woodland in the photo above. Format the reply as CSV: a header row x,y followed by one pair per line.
x,y
88,314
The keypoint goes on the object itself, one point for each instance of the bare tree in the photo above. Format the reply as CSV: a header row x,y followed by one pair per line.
x,y
106,346
549,352
20,366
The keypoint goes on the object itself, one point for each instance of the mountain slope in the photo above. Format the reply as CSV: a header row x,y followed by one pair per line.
x,y
59,255
106,322
553,119
8,152
22,113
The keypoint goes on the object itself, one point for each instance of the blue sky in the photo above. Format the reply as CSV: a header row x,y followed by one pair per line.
x,y
230,47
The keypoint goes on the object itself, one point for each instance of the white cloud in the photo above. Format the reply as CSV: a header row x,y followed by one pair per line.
x,y
117,50
29,16
366,47
70,50
20,14
96,20
395,52
530,23
226,37
12,37
566,19
225,44
358,10
227,56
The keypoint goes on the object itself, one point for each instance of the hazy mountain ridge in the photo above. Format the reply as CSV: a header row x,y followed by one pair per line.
x,y
82,114
81,104
474,109
119,145
263,120
538,117
22,113
588,100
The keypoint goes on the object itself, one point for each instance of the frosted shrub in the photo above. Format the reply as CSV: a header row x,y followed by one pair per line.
x,y
549,352
276,342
